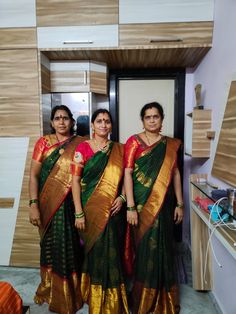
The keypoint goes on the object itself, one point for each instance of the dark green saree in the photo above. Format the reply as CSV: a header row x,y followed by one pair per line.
x,y
61,253
102,275
154,289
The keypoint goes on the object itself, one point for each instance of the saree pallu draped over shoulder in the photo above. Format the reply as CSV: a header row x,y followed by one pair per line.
x,y
61,254
102,282
154,288
56,177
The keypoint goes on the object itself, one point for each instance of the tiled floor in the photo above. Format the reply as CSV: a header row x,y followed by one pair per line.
x,y
26,280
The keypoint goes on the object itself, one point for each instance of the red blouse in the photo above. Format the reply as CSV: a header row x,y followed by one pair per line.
x,y
83,153
134,147
42,145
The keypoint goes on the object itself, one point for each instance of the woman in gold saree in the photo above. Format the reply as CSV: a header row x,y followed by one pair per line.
x,y
97,171
154,203
51,209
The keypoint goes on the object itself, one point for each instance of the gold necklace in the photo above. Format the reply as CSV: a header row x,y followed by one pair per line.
x,y
150,140
104,148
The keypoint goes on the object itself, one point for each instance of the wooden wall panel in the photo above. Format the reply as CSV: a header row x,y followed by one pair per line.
x,y
45,80
18,38
19,73
163,34
224,166
76,12
98,82
20,116
199,239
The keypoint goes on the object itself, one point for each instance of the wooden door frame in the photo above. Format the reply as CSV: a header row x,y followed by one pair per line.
x,y
178,75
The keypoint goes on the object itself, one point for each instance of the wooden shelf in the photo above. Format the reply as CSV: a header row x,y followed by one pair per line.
x,y
197,136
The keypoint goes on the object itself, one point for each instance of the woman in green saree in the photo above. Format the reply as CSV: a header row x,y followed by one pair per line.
x,y
51,209
153,185
97,171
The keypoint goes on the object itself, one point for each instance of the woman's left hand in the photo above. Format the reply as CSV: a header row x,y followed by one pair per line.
x,y
116,206
178,215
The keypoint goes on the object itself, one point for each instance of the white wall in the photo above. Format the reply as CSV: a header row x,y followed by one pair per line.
x,y
215,74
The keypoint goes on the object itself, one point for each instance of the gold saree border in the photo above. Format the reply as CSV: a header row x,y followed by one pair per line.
x,y
150,300
155,200
63,295
97,208
58,184
109,301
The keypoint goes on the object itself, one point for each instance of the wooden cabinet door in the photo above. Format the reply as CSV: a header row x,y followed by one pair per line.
x,y
76,12
166,34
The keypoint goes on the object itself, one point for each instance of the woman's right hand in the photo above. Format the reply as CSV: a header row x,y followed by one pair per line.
x,y
34,215
80,223
132,217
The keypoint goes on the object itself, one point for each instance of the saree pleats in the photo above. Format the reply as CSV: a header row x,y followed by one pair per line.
x,y
154,289
102,282
61,252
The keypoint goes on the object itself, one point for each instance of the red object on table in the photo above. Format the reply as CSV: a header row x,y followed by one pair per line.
x,y
10,301
203,203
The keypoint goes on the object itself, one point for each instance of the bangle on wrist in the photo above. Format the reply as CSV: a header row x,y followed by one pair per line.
x,y
123,198
33,201
79,215
180,205
131,208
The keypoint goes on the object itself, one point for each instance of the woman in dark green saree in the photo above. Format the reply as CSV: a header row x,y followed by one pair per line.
x,y
51,209
97,171
153,185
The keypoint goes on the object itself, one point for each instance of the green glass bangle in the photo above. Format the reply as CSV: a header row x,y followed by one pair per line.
x,y
180,205
131,208
79,215
123,198
33,201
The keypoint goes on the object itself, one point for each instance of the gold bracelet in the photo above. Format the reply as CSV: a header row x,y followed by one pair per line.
x,y
123,198
79,215
33,201
180,205
131,208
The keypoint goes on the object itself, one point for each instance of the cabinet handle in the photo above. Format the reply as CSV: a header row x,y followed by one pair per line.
x,y
70,42
163,40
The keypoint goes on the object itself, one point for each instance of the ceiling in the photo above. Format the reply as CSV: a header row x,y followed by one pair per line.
x,y
130,58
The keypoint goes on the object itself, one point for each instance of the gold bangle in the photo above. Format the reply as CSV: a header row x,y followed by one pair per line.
x,y
131,208
33,201
123,198
79,215
180,205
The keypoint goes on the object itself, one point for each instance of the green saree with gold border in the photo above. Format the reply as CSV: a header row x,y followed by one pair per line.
x,y
155,289
102,282
61,252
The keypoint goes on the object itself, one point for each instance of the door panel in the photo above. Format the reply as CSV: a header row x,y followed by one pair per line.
x,y
134,94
